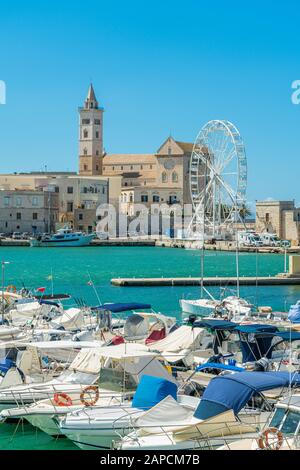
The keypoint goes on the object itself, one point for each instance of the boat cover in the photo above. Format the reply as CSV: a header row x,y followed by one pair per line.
x,y
168,413
215,324
233,391
185,337
151,390
121,307
71,319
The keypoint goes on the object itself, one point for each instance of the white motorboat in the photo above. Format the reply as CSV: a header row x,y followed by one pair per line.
x,y
230,306
97,427
119,368
63,237
223,414
281,432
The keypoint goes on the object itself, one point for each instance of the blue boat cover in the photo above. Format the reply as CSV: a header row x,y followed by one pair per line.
x,y
121,307
288,335
151,390
294,313
216,365
233,391
256,328
6,364
215,324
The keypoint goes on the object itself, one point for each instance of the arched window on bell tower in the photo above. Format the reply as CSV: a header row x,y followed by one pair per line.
x,y
85,134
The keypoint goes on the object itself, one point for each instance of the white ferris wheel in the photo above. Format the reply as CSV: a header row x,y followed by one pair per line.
x,y
218,179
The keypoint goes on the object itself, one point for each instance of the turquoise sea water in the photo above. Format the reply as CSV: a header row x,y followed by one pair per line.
x,y
72,268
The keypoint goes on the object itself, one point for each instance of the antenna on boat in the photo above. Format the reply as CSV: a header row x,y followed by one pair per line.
x,y
237,255
3,263
95,290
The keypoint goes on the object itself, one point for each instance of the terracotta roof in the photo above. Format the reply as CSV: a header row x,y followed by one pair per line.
x,y
128,158
187,147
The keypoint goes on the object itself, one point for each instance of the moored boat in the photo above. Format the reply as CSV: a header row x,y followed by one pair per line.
x,y
63,237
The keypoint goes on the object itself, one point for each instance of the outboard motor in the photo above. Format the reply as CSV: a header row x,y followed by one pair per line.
x,y
192,318
262,365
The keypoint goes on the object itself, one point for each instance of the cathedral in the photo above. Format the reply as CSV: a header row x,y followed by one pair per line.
x,y
159,177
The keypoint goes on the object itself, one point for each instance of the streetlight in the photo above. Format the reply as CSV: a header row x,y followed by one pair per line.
x,y
3,263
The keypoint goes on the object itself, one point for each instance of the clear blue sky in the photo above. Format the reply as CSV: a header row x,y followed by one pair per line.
x,y
157,67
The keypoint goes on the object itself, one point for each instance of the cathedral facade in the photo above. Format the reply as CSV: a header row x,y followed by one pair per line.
x,y
159,177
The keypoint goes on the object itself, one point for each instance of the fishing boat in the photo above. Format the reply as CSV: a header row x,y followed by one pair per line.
x,y
63,237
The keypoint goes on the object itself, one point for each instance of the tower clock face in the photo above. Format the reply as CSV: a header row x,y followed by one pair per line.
x,y
169,164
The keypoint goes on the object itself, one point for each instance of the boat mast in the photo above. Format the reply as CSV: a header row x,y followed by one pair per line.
x,y
237,254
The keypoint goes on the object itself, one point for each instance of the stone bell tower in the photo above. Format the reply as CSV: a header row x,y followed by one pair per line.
x,y
90,136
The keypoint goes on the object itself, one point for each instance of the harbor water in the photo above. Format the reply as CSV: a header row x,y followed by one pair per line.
x,y
69,270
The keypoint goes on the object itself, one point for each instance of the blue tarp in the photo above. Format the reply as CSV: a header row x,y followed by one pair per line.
x,y
233,391
122,307
215,324
151,390
294,313
215,365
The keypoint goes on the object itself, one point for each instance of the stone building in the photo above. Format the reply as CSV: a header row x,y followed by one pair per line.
x,y
78,196
90,136
161,177
32,211
280,217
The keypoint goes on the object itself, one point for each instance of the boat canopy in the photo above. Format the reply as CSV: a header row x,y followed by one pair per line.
x,y
256,328
134,358
215,324
257,340
121,307
233,391
220,366
135,328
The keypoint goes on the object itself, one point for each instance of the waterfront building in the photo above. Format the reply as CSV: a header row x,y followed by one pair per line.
x,y
32,211
78,196
280,217
159,177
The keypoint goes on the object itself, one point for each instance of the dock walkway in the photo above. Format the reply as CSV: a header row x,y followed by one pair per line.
x,y
207,281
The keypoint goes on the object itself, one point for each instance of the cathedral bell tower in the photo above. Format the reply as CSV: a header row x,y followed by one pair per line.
x,y
90,136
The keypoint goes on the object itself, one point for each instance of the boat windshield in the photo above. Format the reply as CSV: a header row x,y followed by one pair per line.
x,y
277,418
117,380
291,423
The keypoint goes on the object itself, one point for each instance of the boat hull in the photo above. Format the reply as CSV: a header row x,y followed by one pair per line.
x,y
194,308
80,241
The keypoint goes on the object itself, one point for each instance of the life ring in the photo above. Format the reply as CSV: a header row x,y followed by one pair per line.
x,y
263,442
62,399
88,390
11,288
